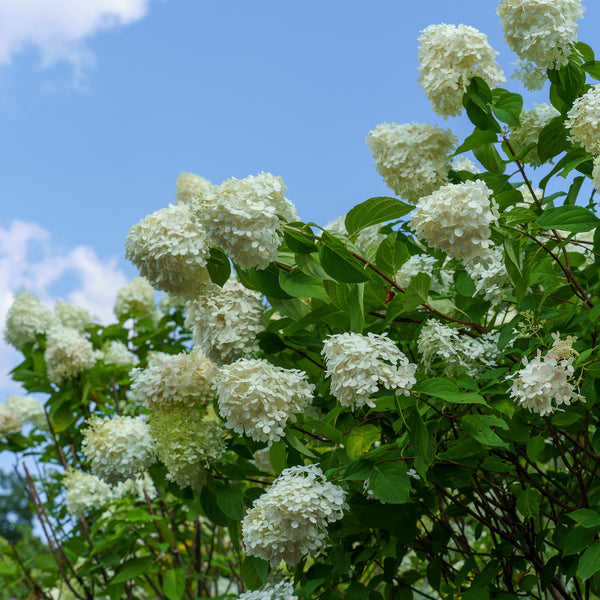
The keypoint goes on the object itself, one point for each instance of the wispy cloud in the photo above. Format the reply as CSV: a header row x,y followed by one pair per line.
x,y
59,28
31,260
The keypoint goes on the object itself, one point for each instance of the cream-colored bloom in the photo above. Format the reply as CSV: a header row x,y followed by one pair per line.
x,y
290,519
547,381
118,448
278,591
139,487
71,315
583,119
456,219
464,163
367,240
441,279
540,32
490,276
187,444
26,318
225,324
117,353
257,398
171,251
450,56
85,492
10,422
67,353
135,298
28,409
359,364
532,120
241,216
175,381
190,187
412,158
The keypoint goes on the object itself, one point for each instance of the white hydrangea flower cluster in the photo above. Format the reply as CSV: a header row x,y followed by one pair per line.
x,y
190,187
117,353
282,590
85,492
187,444
257,398
358,364
532,120
437,341
412,158
456,219
583,119
28,409
540,32
366,238
10,422
71,315
289,520
546,379
224,324
528,200
135,298
465,164
118,448
170,250
490,276
175,381
450,56
441,279
26,318
67,353
241,216
138,487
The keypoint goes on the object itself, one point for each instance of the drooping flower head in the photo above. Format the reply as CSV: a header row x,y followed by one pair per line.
x,y
583,119
241,216
187,444
135,298
456,219
118,448
289,521
175,381
546,382
190,187
412,158
170,250
26,318
450,56
358,364
67,353
257,398
540,32
225,324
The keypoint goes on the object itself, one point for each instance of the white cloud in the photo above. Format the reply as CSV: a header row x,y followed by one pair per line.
x,y
59,28
31,260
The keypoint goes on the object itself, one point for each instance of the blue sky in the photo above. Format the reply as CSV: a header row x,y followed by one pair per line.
x,y
104,102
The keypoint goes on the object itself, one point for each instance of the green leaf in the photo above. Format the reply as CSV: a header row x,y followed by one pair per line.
x,y
391,254
478,91
476,139
585,517
295,443
360,439
230,499
350,299
488,156
390,483
447,390
575,219
535,446
300,285
218,266
518,215
265,281
339,263
356,591
417,291
507,106
479,427
592,68
577,540
132,568
278,456
586,52
553,139
465,285
309,265
374,211
254,572
328,430
480,117
589,563
529,501
300,242
174,583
